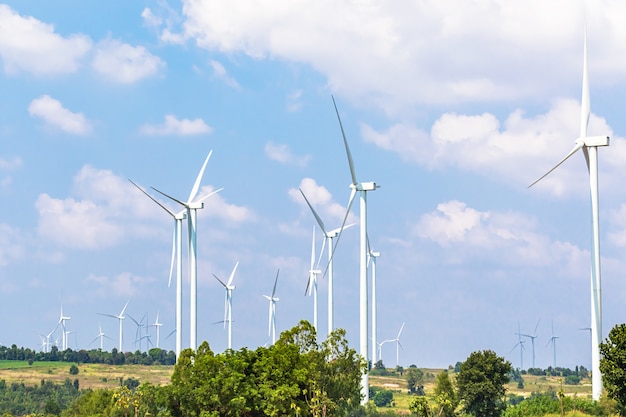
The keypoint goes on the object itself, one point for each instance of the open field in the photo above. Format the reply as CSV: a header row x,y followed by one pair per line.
x,y
108,376
89,375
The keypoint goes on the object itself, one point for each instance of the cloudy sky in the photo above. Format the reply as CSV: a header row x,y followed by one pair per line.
x,y
453,107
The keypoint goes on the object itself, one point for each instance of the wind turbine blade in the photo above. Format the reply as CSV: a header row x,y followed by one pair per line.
x,y
586,153
170,197
209,195
221,282
317,265
585,105
341,229
317,218
536,326
124,309
313,249
579,144
275,282
102,314
401,327
232,274
196,185
135,321
152,198
174,236
345,142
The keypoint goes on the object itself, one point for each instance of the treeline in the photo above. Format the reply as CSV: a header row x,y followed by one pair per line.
x,y
154,356
46,398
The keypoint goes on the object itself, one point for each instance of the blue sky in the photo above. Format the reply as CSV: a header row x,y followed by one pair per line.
x,y
453,107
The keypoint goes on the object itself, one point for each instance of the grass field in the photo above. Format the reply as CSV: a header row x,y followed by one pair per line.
x,y
96,376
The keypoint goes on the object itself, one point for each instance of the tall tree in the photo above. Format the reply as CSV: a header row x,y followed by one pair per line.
x,y
445,396
480,383
613,366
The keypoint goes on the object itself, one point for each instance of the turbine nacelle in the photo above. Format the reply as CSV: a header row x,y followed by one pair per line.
x,y
595,140
195,205
365,186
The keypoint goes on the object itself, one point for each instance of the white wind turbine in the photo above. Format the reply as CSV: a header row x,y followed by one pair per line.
x,y
553,342
228,304
177,259
363,188
589,145
372,255
311,285
520,343
328,237
192,207
120,317
532,338
157,325
62,321
272,311
100,336
398,345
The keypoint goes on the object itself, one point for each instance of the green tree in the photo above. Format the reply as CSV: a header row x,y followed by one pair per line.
x,y
445,396
73,369
419,407
415,380
481,384
613,366
383,398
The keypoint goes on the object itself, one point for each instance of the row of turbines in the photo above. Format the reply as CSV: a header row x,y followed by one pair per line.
x,y
588,144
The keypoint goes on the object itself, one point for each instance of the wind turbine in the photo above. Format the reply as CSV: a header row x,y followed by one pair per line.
x,y
553,341
138,333
371,256
520,343
228,304
398,345
311,285
157,325
272,311
100,336
532,339
62,321
192,207
589,145
120,317
176,258
363,188
328,237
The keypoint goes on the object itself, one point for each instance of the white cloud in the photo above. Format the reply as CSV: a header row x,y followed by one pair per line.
x,y
150,18
397,54
282,154
10,164
517,151
174,126
125,284
294,101
27,44
54,114
221,74
322,201
216,207
510,238
166,18
125,64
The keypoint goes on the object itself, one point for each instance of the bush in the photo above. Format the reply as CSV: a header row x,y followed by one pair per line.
x,y
383,398
73,370
572,380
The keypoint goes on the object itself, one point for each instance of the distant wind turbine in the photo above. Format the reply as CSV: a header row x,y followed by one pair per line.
x,y
362,188
62,321
532,339
100,336
589,146
120,317
272,311
398,345
553,342
192,213
520,343
176,259
311,285
328,237
157,326
228,303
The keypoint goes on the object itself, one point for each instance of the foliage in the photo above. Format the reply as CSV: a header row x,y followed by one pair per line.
x,y
613,366
480,383
540,404
49,398
415,381
295,375
419,407
383,398
445,396
572,380
73,369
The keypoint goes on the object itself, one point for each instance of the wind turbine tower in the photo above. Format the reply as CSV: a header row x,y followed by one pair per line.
x,y
590,145
311,286
157,325
362,188
228,303
372,255
120,317
532,339
192,215
272,311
